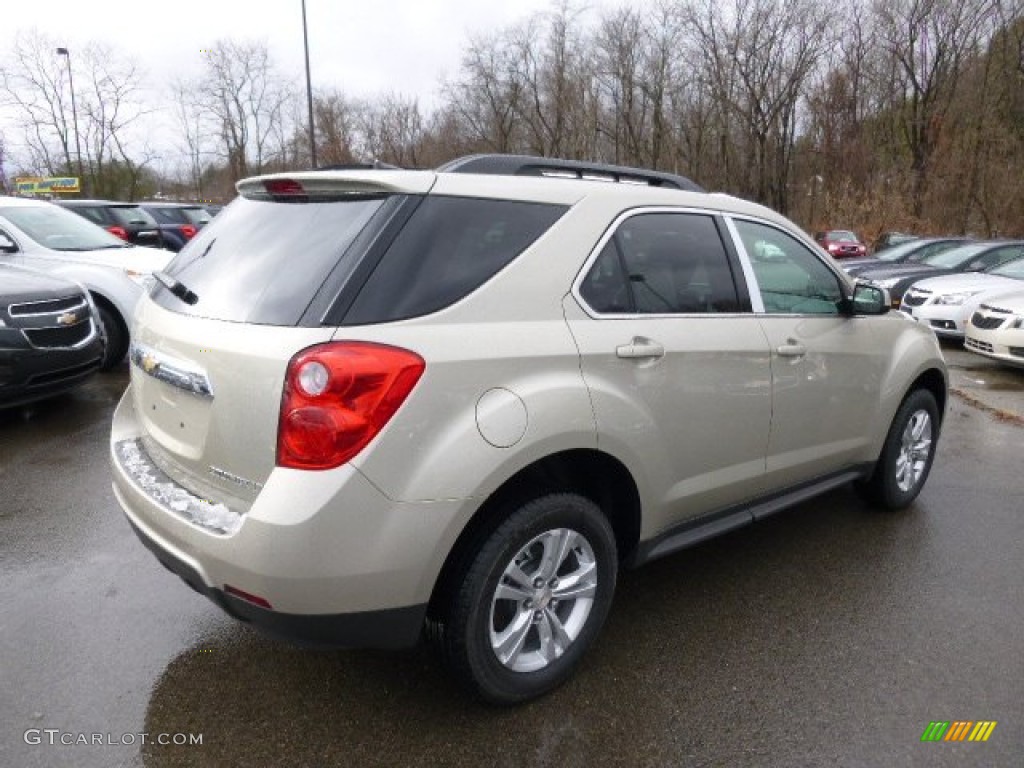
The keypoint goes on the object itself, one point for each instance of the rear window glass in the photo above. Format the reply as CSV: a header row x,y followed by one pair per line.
x,y
448,249
263,262
132,217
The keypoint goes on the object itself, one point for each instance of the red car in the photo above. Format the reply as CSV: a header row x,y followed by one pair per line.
x,y
841,244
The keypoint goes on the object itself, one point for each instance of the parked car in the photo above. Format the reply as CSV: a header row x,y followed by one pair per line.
x,y
996,329
945,303
841,244
910,252
972,257
889,239
50,340
128,221
46,237
464,398
179,222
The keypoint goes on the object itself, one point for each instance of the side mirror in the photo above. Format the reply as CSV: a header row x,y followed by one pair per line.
x,y
7,245
869,300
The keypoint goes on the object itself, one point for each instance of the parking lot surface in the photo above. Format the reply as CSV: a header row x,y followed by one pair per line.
x,y
827,635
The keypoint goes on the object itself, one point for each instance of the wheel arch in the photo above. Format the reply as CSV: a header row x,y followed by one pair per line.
x,y
933,381
593,474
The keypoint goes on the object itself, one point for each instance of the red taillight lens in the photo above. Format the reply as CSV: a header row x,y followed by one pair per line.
x,y
118,232
337,397
188,231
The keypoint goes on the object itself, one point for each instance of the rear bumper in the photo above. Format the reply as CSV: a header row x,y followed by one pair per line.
x,y
392,628
331,559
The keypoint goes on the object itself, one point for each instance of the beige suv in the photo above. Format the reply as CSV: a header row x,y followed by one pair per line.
x,y
364,402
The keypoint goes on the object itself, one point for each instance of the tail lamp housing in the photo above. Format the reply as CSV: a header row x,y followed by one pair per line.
x,y
337,397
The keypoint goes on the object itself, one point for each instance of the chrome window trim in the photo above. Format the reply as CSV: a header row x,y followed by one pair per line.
x,y
753,287
183,374
603,241
748,267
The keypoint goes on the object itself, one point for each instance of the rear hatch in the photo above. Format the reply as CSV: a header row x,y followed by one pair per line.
x,y
251,290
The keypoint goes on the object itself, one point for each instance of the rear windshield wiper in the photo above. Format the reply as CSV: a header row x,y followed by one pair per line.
x,y
175,287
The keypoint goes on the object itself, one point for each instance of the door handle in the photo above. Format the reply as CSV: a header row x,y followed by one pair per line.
x,y
640,349
791,349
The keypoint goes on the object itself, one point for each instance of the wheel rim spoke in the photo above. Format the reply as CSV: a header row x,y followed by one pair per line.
x,y
578,584
510,641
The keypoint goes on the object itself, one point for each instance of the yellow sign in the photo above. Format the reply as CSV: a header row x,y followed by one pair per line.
x,y
35,185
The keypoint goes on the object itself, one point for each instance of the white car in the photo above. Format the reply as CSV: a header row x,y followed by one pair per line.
x,y
45,237
945,303
996,329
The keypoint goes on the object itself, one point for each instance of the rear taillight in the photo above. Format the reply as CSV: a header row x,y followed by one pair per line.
x,y
118,232
188,231
337,397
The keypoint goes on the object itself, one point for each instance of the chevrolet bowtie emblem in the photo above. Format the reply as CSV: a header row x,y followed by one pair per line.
x,y
68,318
149,363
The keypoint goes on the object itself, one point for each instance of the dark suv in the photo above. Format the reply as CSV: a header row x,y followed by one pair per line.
x,y
127,221
49,337
179,222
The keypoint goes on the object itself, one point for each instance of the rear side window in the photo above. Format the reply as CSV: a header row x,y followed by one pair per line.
x,y
263,262
448,249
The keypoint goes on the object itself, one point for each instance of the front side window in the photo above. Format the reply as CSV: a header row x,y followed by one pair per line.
x,y
662,263
792,280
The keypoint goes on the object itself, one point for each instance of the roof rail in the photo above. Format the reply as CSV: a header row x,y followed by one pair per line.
x,y
527,165
376,165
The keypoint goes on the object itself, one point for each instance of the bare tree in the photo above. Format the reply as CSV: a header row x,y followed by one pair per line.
x,y
245,96
927,43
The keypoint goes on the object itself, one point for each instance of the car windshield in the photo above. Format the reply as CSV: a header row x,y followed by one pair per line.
x,y
1014,269
953,258
899,252
58,229
842,236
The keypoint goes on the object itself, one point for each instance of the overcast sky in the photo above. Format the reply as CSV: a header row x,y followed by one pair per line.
x,y
362,47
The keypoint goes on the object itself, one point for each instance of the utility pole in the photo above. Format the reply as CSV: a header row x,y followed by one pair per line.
x,y
74,114
309,89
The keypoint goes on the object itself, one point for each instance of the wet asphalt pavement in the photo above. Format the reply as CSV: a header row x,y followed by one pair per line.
x,y
828,635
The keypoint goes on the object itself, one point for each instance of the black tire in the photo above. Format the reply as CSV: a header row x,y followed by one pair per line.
x,y
116,334
469,620
890,487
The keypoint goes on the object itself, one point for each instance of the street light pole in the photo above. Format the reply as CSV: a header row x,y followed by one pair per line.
x,y
74,115
309,89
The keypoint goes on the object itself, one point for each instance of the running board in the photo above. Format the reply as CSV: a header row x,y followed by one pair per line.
x,y
709,526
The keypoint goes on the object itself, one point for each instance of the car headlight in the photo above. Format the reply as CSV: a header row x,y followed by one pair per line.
x,y
955,299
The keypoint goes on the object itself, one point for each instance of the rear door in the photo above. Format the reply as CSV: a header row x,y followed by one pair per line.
x,y
827,367
677,366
